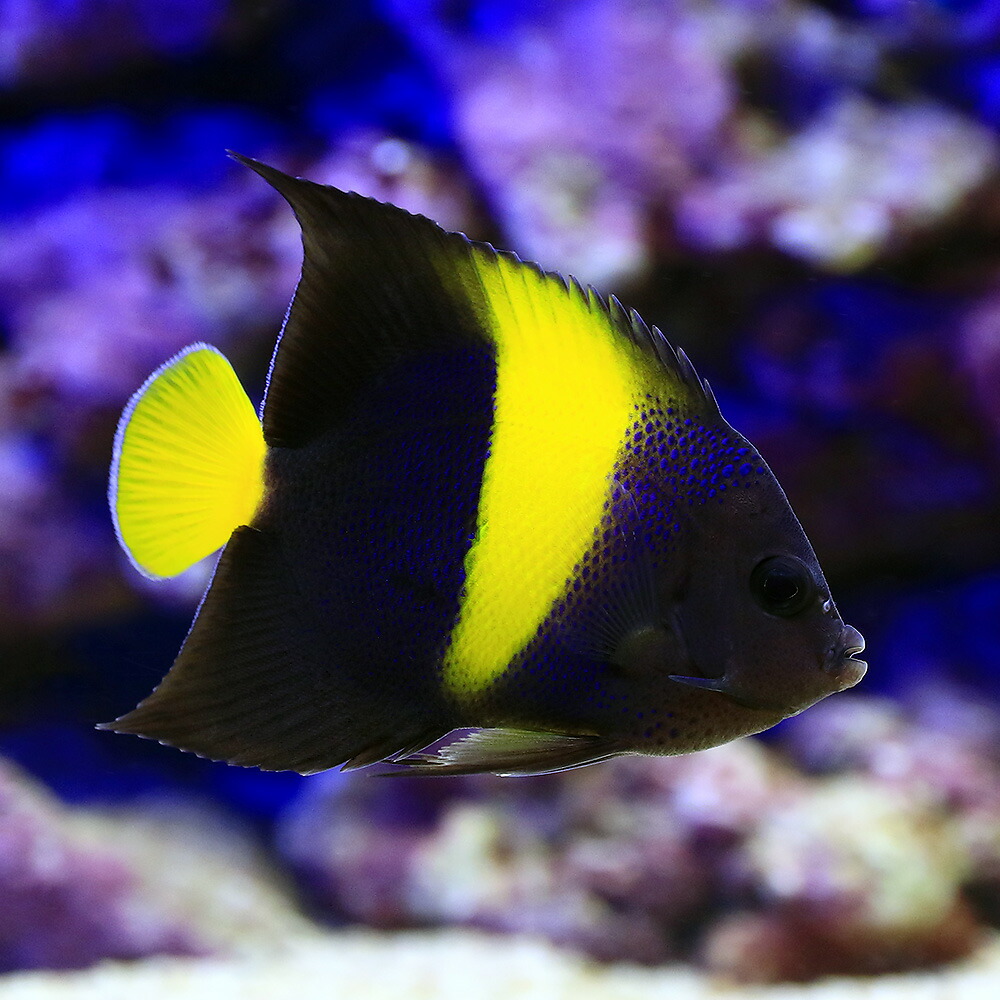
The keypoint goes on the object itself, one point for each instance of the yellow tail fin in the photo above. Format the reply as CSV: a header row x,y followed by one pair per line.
x,y
188,463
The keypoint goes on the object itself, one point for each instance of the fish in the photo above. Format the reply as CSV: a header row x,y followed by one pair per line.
x,y
486,519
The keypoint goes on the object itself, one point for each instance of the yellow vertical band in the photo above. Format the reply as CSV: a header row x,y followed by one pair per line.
x,y
567,384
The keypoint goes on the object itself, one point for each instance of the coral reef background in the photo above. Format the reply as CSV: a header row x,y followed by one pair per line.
x,y
804,194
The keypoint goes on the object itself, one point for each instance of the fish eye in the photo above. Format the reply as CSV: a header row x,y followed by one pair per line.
x,y
782,585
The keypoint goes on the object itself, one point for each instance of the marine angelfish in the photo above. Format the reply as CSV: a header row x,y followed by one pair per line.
x,y
478,496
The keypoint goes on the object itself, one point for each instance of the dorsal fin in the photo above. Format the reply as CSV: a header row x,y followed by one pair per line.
x,y
369,295
379,284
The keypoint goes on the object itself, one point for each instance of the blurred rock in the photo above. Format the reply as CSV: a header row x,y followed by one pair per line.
x,y
99,290
939,744
96,293
921,24
68,903
879,894
555,116
590,125
729,856
784,948
388,168
79,886
839,734
857,180
979,347
939,749
521,856
202,867
44,41
432,965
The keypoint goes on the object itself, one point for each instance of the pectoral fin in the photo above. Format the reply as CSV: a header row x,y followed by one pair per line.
x,y
705,683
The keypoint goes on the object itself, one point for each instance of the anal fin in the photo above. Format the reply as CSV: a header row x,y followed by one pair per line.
x,y
511,751
255,683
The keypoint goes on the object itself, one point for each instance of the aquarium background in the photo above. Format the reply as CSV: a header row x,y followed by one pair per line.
x,y
805,196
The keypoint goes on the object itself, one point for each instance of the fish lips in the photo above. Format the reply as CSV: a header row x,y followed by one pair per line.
x,y
842,662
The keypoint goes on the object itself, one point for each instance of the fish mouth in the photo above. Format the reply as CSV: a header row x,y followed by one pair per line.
x,y
843,663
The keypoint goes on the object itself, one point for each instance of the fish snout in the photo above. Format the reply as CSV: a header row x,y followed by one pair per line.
x,y
841,661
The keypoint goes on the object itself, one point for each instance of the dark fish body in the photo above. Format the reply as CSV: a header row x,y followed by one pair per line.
x,y
480,497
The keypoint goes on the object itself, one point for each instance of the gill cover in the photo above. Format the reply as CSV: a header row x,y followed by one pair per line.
x,y
188,463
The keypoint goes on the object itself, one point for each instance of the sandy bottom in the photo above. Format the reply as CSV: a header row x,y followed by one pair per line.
x,y
459,965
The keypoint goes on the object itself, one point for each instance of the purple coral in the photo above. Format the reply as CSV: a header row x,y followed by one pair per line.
x,y
730,857
939,752
591,125
95,293
557,121
67,903
857,179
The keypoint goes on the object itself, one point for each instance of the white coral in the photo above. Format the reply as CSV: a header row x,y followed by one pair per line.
x,y
869,856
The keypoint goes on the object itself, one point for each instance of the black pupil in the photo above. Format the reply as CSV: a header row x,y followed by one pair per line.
x,y
781,586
